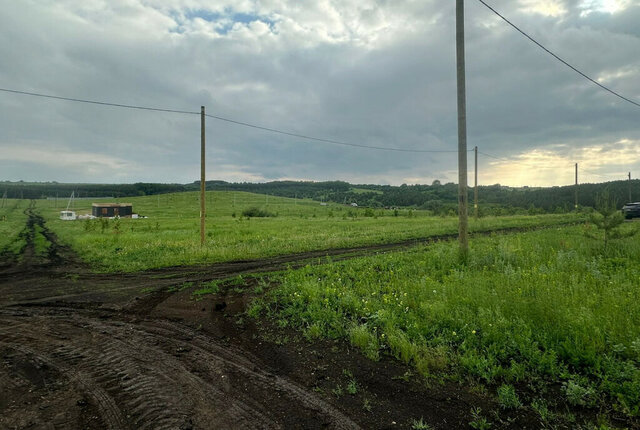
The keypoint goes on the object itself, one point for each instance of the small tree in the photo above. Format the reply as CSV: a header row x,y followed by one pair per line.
x,y
608,218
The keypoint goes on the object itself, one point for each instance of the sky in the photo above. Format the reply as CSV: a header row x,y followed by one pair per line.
x,y
367,72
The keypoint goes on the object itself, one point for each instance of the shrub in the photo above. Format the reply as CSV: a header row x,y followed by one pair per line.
x,y
256,212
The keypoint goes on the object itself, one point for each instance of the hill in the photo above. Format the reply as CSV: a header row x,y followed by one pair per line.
x,y
437,197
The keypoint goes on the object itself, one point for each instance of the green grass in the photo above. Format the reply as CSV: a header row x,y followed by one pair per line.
x,y
12,222
40,243
533,308
170,234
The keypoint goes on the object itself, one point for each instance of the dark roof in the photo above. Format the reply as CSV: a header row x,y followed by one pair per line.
x,y
111,205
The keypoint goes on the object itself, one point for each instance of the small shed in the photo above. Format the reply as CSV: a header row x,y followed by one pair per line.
x,y
110,210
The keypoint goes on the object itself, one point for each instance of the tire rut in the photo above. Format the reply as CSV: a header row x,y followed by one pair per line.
x,y
158,374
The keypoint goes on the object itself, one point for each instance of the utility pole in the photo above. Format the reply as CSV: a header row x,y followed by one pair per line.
x,y
462,132
475,187
202,178
576,203
630,187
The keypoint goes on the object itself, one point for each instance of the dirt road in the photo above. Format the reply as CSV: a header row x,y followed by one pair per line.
x,y
84,350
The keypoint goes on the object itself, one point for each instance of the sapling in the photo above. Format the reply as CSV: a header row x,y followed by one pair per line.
x,y
609,219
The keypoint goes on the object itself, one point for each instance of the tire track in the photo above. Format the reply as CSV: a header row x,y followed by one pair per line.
x,y
158,374
109,412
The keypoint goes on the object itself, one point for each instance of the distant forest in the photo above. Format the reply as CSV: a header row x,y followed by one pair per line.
x,y
43,190
438,198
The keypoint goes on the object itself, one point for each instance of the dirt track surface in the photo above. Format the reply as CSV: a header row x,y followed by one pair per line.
x,y
84,350
150,374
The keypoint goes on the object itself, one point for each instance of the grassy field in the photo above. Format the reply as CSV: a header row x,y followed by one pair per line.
x,y
545,319
12,221
170,234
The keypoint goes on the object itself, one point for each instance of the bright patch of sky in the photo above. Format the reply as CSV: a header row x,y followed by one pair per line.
x,y
552,8
606,6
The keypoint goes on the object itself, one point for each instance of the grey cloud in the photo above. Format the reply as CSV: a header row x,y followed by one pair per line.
x,y
384,76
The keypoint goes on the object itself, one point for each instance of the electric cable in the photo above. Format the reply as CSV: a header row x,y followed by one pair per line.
x,y
558,58
219,118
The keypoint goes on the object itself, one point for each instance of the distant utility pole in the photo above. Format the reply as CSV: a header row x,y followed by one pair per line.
x,y
630,187
202,178
475,187
576,190
462,132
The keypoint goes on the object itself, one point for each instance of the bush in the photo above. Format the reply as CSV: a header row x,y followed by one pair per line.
x,y
256,212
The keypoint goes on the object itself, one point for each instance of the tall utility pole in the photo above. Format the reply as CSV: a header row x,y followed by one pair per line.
x,y
462,132
630,187
576,191
475,186
202,178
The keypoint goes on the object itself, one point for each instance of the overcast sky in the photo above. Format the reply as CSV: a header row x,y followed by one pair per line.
x,y
379,73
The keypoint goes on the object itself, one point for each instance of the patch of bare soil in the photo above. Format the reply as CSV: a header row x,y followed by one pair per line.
x,y
81,350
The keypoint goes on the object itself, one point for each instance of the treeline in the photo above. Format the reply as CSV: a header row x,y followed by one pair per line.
x,y
437,197
40,190
293,189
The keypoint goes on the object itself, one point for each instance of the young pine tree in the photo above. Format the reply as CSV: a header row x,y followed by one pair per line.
x,y
608,219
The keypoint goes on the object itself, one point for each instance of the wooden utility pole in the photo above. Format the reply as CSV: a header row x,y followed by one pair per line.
x,y
475,186
576,191
630,187
202,178
462,133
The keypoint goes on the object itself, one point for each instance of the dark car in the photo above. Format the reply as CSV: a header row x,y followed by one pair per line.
x,y
631,210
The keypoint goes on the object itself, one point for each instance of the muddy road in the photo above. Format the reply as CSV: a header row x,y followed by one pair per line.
x,y
118,351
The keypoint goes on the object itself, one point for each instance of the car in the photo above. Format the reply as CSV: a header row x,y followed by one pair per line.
x,y
631,210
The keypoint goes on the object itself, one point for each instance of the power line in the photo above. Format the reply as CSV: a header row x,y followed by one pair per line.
x,y
560,59
507,160
319,139
219,118
533,166
95,102
610,177
583,171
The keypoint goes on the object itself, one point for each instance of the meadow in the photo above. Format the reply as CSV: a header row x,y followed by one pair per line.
x,y
548,319
12,222
170,234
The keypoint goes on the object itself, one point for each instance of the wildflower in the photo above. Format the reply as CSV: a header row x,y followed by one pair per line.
x,y
434,291
454,333
473,332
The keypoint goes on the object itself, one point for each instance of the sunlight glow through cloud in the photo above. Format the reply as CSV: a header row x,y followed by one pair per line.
x,y
607,6
555,166
551,8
